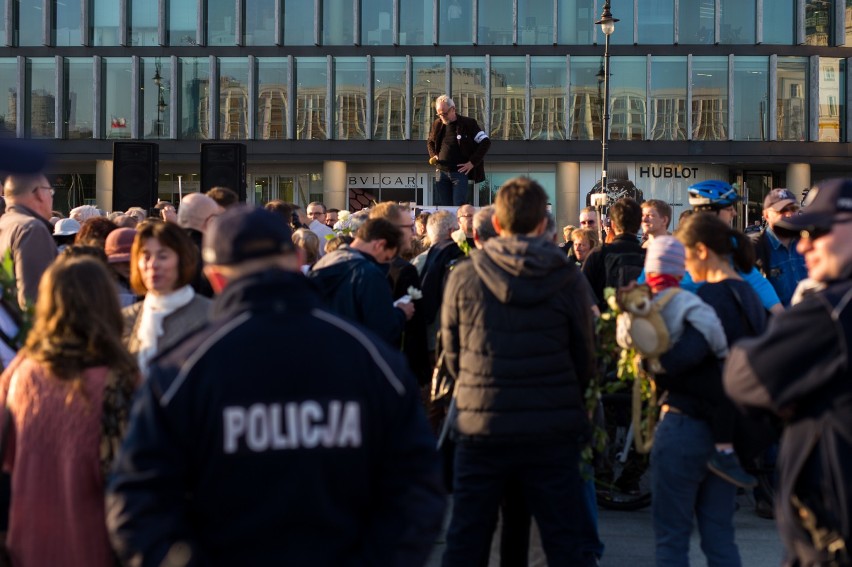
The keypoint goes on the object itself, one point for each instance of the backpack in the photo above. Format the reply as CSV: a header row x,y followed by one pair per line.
x,y
762,252
623,267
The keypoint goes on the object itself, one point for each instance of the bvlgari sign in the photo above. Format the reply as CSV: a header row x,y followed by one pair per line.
x,y
390,180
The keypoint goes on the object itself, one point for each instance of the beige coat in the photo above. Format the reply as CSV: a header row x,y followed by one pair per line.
x,y
183,321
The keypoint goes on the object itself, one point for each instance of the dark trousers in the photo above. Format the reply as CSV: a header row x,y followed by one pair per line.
x,y
549,479
451,188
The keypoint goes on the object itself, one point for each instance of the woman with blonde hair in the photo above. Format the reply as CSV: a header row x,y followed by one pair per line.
x,y
67,396
309,242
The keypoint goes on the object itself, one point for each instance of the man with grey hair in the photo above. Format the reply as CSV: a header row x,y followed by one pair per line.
x,y
317,215
457,147
483,226
196,212
444,250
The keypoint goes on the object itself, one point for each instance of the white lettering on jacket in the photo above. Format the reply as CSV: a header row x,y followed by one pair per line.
x,y
294,425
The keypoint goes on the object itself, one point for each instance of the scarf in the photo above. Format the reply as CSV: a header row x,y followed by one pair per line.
x,y
155,308
660,282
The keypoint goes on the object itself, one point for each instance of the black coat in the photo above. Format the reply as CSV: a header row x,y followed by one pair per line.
x,y
473,143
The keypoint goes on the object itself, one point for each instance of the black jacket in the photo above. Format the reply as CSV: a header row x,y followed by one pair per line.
x,y
595,265
249,447
473,143
439,257
516,327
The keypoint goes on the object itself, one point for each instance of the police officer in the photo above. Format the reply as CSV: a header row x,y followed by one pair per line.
x,y
235,457
799,369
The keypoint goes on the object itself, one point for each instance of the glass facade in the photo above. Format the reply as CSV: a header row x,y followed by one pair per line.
x,y
586,98
272,102
194,85
311,116
66,23
455,24
156,97
791,115
469,79
377,22
259,20
415,22
668,98
818,22
697,22
656,21
779,22
28,32
182,22
40,104
429,82
389,98
9,92
298,22
576,20
142,23
220,22
709,98
535,22
233,98
737,21
350,98
832,99
495,22
79,94
105,23
508,98
627,98
751,98
116,75
548,84
337,22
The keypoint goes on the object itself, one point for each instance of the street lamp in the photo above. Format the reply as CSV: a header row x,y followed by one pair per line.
x,y
161,101
607,24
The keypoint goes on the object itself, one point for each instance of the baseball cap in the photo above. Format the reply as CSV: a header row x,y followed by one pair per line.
x,y
777,199
244,232
66,227
118,244
820,207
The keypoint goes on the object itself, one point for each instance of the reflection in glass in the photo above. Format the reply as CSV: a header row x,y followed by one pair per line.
x,y
668,98
311,75
737,21
495,22
194,96
272,92
586,98
656,21
548,81
535,22
298,22
40,109
377,22
428,80
220,22
508,98
66,23
117,95
233,98
29,22
751,98
468,81
143,23
9,91
415,22
696,22
576,22
350,98
260,22
78,92
182,22
456,22
337,22
792,110
710,98
818,22
627,98
623,33
778,21
832,97
848,21
105,22
156,96
389,98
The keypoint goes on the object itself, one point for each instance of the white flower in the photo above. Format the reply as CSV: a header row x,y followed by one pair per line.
x,y
343,215
459,237
414,292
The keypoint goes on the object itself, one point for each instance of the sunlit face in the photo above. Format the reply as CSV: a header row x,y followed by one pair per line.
x,y
772,216
827,256
331,218
316,213
465,218
406,225
589,220
728,214
158,266
652,223
446,113
581,248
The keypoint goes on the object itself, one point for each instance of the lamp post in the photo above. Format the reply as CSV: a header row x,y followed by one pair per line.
x,y
607,24
161,101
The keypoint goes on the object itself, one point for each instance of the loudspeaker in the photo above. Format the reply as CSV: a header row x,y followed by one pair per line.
x,y
135,171
224,165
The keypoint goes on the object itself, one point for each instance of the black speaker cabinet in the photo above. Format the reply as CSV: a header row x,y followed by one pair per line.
x,y
224,165
135,170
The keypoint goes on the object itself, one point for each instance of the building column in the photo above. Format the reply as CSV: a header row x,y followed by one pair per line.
x,y
334,185
103,184
567,194
798,178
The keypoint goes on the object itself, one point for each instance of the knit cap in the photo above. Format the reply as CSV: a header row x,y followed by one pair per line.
x,y
665,255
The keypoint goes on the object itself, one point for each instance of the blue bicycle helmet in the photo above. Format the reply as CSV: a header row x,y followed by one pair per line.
x,y
712,194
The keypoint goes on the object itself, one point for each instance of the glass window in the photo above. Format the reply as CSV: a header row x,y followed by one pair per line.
x,y
311,75
156,97
194,95
832,94
847,18
78,91
389,98
415,22
778,21
260,22
623,34
508,98
818,22
377,22
29,14
710,98
428,83
627,98
576,21
9,90
468,92
792,109
105,22
737,21
495,22
350,98
40,108
272,89
220,22
751,98
586,98
183,21
143,23
456,22
668,98
117,95
66,22
535,22
337,22
656,21
233,98
696,22
548,84
299,22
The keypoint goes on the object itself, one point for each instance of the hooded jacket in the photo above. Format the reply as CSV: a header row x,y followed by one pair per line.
x,y
516,326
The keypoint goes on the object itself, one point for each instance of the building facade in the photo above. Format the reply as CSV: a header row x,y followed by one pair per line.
x,y
333,98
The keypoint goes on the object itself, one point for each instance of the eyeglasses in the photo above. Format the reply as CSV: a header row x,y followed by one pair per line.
x,y
49,188
465,216
442,114
813,233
